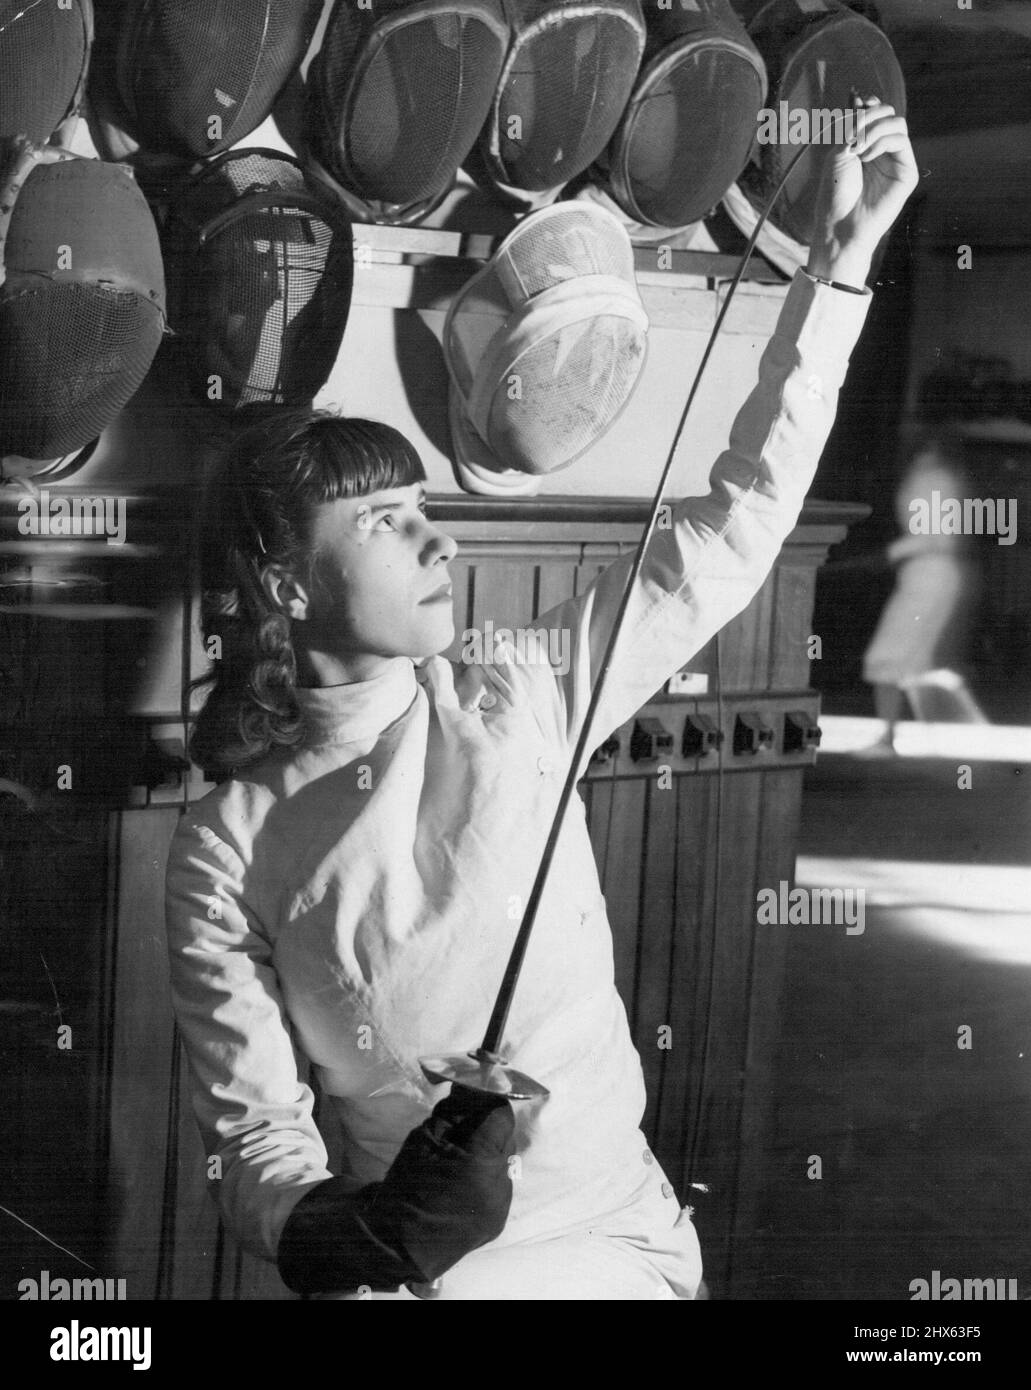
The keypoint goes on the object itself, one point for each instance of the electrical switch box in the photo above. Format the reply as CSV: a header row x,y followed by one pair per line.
x,y
650,740
702,735
751,734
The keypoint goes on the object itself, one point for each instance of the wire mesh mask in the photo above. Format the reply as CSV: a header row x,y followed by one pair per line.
x,y
545,344
689,125
568,74
44,57
398,93
190,78
816,52
82,300
260,267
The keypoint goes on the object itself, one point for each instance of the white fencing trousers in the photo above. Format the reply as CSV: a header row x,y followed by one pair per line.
x,y
581,1268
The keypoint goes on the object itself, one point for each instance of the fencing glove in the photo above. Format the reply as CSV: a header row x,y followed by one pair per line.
x,y
447,1192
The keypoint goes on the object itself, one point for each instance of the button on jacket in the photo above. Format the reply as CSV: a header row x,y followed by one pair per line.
x,y
349,904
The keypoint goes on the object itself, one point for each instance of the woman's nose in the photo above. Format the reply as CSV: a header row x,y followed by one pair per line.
x,y
440,546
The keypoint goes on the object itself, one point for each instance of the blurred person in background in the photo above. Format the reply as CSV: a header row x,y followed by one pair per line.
x,y
916,655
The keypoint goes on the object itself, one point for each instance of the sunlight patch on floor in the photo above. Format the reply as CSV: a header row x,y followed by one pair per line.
x,y
1003,743
981,909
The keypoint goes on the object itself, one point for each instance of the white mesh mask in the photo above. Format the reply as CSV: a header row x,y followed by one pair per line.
x,y
544,346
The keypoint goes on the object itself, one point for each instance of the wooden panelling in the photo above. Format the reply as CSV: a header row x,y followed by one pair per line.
x,y
503,595
743,646
509,594
655,937
790,626
142,1051
677,1125
462,581
555,582
691,957
732,928
619,821
775,862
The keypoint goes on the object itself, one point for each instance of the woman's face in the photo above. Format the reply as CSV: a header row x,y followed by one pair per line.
x,y
378,583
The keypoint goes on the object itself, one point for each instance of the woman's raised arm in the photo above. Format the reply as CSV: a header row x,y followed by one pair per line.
x,y
706,563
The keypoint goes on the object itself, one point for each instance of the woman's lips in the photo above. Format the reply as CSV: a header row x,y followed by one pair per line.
x,y
439,595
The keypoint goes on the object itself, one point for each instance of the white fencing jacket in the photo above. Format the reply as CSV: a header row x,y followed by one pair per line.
x,y
351,903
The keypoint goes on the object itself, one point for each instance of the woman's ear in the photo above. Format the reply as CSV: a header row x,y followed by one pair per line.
x,y
285,592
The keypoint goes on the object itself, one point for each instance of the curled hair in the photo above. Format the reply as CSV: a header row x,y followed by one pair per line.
x,y
259,510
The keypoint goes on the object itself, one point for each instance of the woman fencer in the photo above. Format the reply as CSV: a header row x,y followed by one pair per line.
x,y
342,900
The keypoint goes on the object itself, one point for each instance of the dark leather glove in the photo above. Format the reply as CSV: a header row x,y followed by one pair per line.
x,y
447,1192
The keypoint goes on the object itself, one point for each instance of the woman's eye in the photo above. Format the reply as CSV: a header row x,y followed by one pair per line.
x,y
385,523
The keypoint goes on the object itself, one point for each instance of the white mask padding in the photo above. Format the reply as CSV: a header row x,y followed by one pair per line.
x,y
546,343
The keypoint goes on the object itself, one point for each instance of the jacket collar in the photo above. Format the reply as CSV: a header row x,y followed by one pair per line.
x,y
347,713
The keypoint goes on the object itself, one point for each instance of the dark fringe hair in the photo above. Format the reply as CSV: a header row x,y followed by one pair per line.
x,y
258,510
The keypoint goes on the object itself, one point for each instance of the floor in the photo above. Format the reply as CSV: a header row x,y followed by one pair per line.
x,y
924,1143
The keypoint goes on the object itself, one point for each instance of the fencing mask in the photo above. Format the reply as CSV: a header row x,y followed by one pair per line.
x,y
260,269
82,299
568,74
690,122
544,346
816,52
398,92
189,78
44,56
